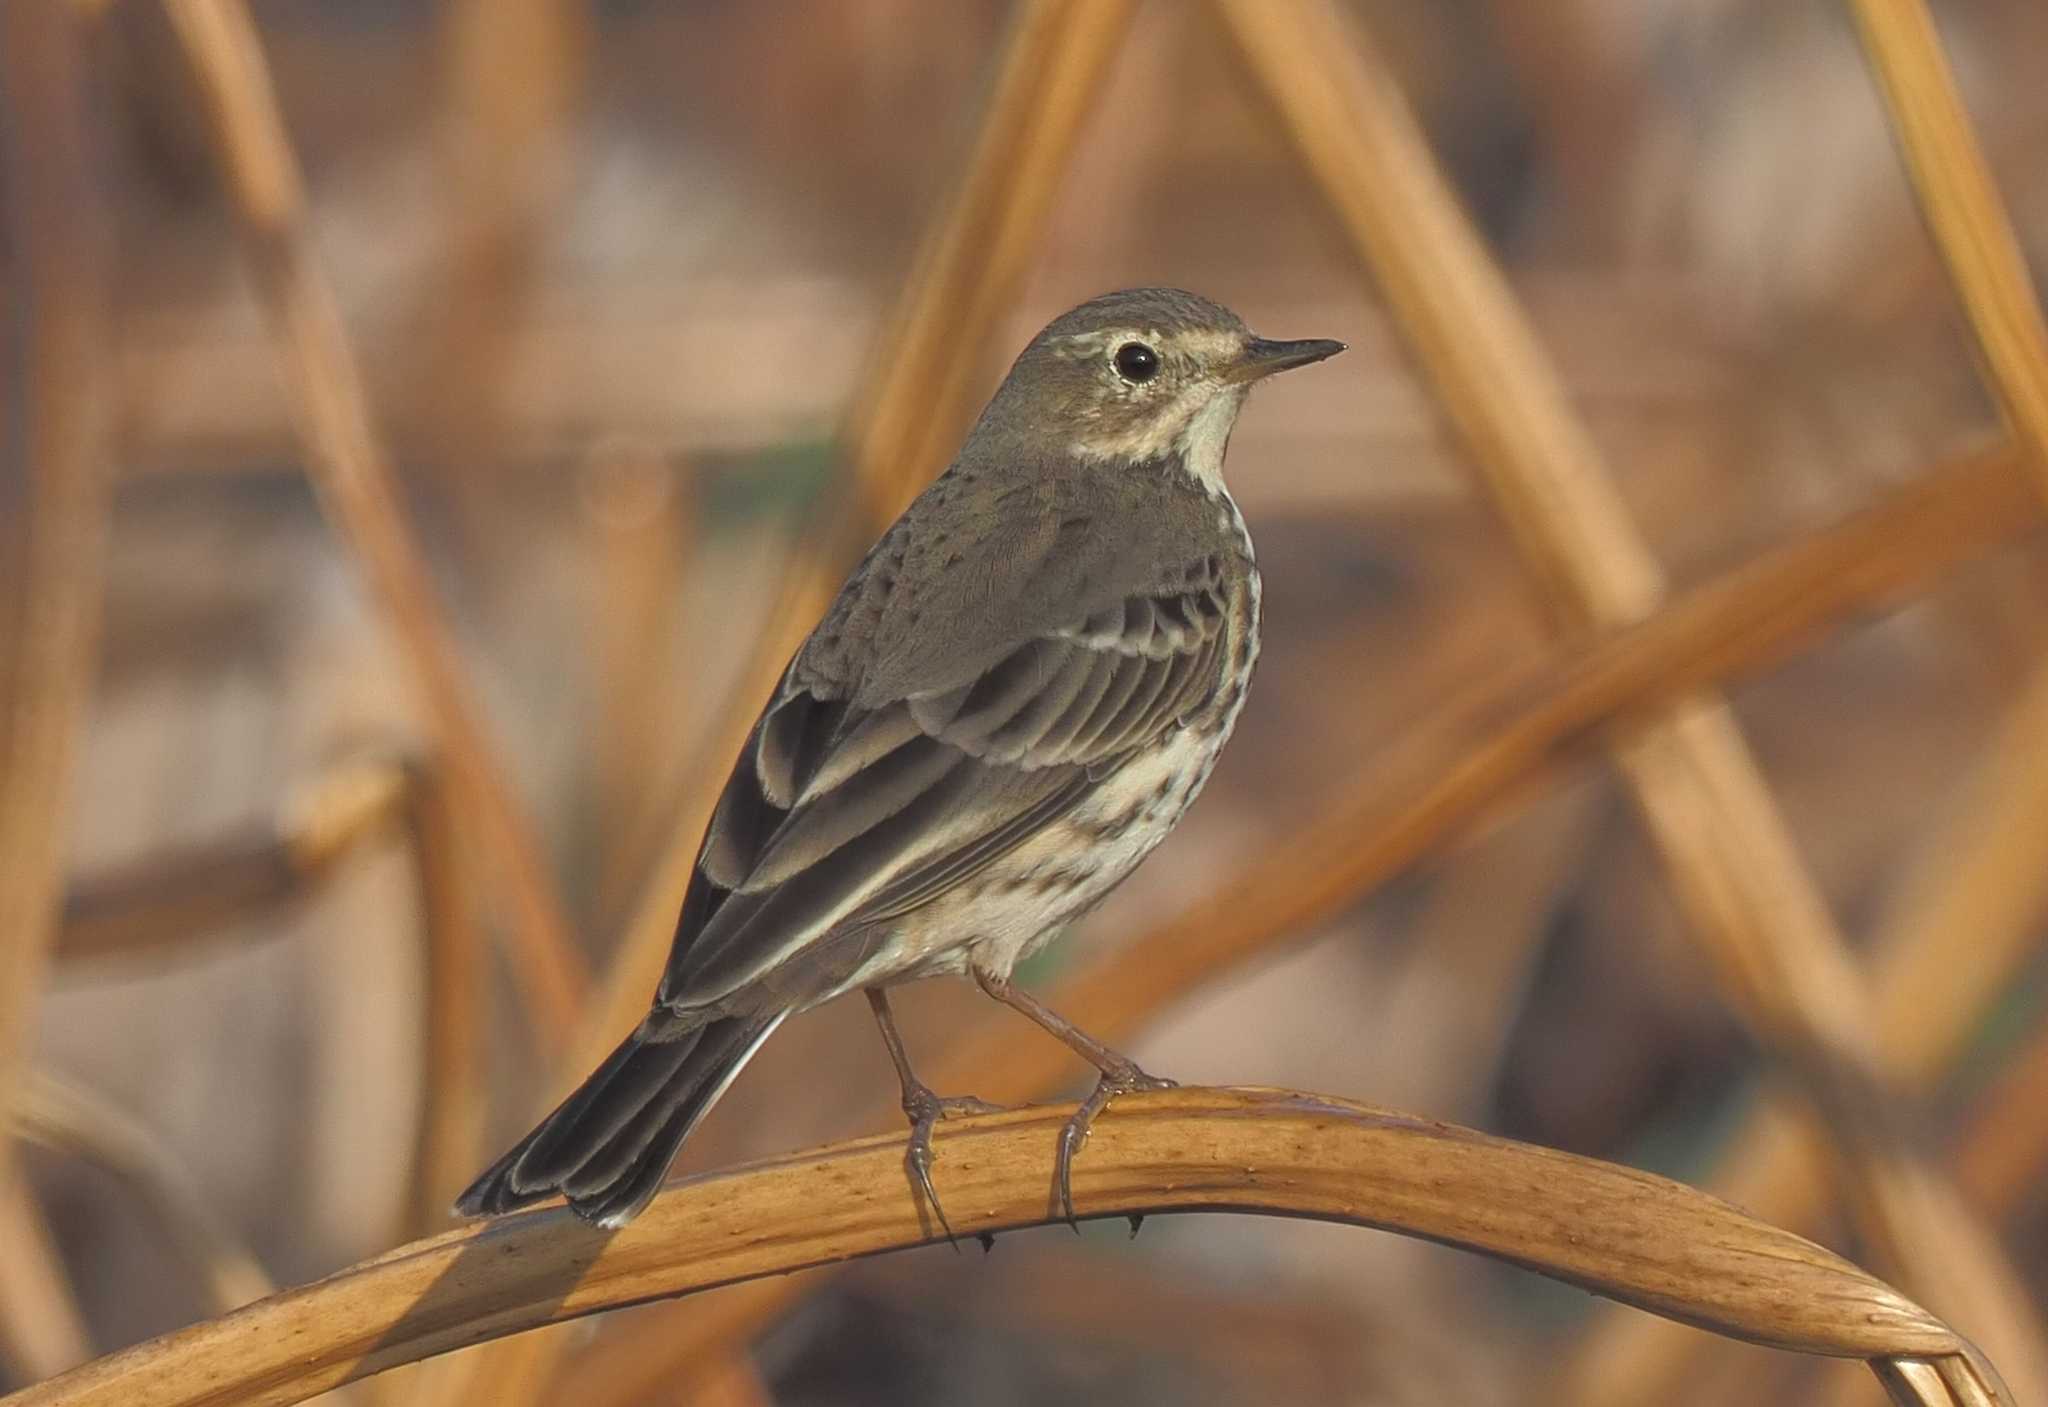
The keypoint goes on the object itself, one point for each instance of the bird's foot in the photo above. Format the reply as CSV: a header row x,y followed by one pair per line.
x,y
925,1109
1124,1079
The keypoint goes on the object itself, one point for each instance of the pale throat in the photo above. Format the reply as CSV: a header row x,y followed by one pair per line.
x,y
1194,430
1206,436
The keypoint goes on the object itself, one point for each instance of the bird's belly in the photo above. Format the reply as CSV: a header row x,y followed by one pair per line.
x,y
1021,901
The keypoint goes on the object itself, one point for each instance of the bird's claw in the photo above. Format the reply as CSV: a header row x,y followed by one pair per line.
x,y
925,1109
1127,1079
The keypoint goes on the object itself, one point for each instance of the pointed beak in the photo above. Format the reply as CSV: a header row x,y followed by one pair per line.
x,y
1262,358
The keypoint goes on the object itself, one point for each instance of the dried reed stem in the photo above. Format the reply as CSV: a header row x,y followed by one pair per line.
x,y
448,1140
641,517
513,73
1611,1230
57,495
1440,784
1933,991
188,894
2003,1152
353,475
42,1332
1757,913
75,1121
1962,207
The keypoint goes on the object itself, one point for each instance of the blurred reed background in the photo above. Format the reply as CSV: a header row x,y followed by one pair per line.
x,y
405,536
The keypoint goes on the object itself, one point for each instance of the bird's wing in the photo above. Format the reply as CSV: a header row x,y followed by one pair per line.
x,y
845,812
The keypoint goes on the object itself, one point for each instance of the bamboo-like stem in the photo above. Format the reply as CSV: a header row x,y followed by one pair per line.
x,y
1615,1231
54,505
1952,945
42,1331
513,73
453,1093
1961,204
1442,783
75,1121
1756,912
2003,1152
641,516
188,894
353,475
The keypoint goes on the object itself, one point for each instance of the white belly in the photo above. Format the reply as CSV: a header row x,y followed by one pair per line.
x,y
1019,903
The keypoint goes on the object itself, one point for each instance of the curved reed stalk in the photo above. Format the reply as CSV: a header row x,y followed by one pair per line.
x,y
74,1120
56,478
1656,1244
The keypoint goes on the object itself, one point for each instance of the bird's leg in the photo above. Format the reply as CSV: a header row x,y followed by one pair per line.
x,y
1120,1075
922,1106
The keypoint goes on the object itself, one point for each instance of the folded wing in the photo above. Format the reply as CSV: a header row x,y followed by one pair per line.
x,y
840,817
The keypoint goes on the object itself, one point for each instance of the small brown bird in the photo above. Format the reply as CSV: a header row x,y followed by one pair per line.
x,y
1012,701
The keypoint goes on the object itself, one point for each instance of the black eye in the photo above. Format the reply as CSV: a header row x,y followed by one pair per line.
x,y
1137,362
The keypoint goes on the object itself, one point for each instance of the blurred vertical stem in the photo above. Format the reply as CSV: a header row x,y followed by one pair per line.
x,y
453,1092
2004,1146
1962,207
639,513
512,78
353,474
58,499
1757,913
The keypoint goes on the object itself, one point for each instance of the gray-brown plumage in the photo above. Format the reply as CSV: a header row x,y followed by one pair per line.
x,y
1012,700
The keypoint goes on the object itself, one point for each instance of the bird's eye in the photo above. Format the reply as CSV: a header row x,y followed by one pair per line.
x,y
1136,362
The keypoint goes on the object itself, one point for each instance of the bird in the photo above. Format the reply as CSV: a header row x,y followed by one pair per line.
x,y
1012,700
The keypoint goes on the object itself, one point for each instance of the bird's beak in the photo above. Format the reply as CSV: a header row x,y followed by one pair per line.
x,y
1262,358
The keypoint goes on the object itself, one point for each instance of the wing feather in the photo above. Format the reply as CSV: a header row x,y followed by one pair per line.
x,y
840,818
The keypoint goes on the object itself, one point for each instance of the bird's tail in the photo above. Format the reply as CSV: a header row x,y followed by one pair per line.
x,y
609,1144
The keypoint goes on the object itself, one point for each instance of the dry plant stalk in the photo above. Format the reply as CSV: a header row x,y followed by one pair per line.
x,y
513,73
62,492
73,1120
2004,1147
1962,207
187,894
1756,911
448,1141
642,517
1656,1244
1442,783
352,473
1932,993
42,1331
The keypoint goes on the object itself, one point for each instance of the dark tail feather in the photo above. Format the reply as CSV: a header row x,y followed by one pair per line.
x,y
609,1145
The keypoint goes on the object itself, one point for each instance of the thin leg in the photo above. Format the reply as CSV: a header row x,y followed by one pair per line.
x,y
924,1108
1120,1075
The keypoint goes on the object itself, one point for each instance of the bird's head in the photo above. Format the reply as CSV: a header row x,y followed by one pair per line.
x,y
1143,375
